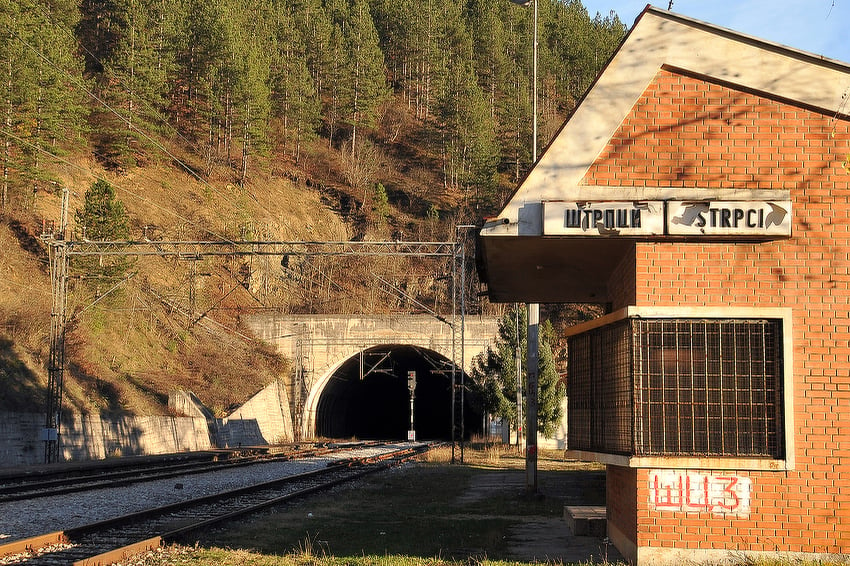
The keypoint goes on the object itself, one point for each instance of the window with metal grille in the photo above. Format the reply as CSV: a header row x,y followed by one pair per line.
x,y
678,387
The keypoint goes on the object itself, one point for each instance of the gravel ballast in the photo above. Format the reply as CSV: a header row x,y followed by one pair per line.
x,y
27,518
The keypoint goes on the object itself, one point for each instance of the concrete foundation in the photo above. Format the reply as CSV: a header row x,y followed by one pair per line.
x,y
264,419
586,520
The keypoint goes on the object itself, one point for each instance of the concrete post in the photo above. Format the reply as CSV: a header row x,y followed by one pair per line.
x,y
531,399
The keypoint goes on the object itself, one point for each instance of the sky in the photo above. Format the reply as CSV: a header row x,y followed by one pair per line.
x,y
821,27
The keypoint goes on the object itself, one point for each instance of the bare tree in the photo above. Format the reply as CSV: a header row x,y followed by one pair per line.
x,y
361,160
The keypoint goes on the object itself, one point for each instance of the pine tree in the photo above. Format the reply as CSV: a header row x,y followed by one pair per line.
x,y
42,100
514,102
315,29
470,150
489,50
128,59
366,77
408,40
244,78
575,47
17,82
199,47
494,373
294,100
103,216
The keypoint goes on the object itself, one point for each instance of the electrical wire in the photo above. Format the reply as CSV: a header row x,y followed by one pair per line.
x,y
132,127
117,186
125,120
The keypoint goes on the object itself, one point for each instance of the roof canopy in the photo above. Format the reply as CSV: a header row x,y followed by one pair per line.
x,y
520,263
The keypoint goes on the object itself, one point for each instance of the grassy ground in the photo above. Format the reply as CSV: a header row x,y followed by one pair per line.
x,y
427,513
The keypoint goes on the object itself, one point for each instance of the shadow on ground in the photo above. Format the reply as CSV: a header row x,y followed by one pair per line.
x,y
454,512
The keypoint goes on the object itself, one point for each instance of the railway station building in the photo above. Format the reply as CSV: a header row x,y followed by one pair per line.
x,y
701,191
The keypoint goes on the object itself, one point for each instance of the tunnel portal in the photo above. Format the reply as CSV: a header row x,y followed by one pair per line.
x,y
367,397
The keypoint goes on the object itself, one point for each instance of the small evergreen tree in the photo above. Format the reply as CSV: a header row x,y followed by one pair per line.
x,y
103,216
381,204
494,373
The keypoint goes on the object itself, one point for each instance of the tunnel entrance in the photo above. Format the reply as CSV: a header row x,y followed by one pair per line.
x,y
367,397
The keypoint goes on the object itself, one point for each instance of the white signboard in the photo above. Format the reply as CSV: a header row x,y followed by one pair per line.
x,y
610,218
729,218
690,492
650,219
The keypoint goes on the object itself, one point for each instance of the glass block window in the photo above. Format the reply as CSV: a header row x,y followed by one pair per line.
x,y
678,387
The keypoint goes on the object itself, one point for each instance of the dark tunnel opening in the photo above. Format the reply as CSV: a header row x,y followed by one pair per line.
x,y
368,397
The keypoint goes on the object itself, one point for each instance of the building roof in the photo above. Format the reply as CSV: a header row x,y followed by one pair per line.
x,y
519,264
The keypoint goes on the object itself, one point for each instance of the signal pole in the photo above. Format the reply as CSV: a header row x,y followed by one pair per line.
x,y
411,388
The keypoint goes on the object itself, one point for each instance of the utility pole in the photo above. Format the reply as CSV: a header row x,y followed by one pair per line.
x,y
454,348
463,332
193,276
533,308
533,322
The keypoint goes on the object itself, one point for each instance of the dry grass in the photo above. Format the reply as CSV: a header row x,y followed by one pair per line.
x,y
24,314
488,454
125,353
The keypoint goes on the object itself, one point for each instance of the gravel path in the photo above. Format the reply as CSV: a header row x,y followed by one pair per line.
x,y
27,518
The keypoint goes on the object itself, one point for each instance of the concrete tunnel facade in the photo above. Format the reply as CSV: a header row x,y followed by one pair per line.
x,y
368,397
350,372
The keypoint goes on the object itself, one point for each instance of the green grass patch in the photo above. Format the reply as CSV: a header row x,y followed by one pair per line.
x,y
188,556
416,511
427,513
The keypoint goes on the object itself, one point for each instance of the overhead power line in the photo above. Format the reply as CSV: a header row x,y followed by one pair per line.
x,y
61,251
199,249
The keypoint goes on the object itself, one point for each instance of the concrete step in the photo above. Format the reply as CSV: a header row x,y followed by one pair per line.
x,y
586,520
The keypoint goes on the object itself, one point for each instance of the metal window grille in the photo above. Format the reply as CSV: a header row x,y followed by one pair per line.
x,y
706,387
600,390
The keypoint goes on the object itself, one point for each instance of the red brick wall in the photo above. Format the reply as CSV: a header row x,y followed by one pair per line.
x,y
622,287
620,489
686,132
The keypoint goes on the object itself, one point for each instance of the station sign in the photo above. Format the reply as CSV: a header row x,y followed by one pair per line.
x,y
660,218
729,218
608,218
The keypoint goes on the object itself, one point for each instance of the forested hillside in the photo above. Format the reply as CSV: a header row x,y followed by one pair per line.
x,y
276,119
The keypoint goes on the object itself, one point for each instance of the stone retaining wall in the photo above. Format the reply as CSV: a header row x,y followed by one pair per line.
x,y
263,419
92,437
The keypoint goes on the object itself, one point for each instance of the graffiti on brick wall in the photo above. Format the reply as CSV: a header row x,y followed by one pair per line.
x,y
690,492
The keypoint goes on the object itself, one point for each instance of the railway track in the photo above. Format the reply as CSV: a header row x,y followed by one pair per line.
x,y
112,540
52,483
